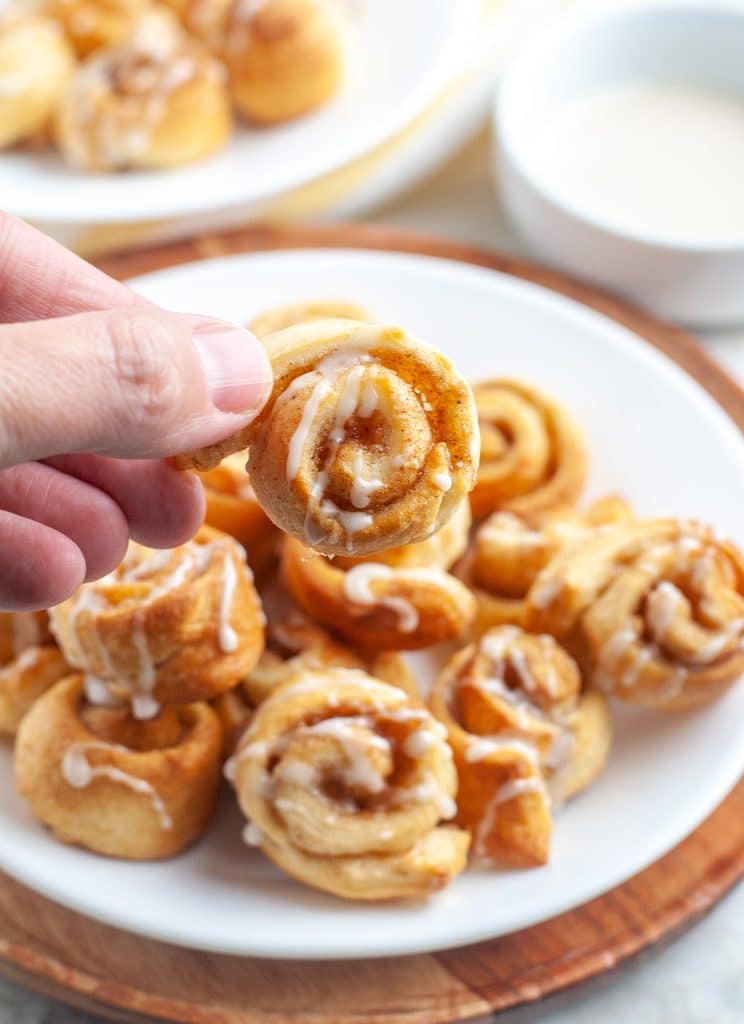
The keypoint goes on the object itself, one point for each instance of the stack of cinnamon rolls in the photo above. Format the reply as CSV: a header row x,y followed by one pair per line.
x,y
135,84
386,507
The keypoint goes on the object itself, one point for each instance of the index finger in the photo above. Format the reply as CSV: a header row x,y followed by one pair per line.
x,y
39,278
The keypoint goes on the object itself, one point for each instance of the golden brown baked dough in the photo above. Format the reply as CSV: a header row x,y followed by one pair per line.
x,y
156,99
285,57
123,788
21,630
93,24
376,606
24,679
439,551
508,552
368,441
516,719
280,317
345,782
29,665
533,454
653,610
36,63
232,507
166,626
291,649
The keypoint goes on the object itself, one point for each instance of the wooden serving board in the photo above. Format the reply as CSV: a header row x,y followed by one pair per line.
x,y
120,976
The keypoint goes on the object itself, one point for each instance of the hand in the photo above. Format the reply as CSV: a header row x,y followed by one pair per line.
x,y
97,386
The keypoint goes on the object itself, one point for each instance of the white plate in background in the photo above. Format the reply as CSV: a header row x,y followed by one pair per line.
x,y
401,56
655,435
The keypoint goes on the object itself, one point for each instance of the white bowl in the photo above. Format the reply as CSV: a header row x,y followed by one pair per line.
x,y
696,43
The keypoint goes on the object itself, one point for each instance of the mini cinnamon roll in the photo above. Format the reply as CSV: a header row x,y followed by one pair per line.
x,y
117,786
345,784
156,99
233,508
368,441
166,626
533,455
508,552
653,610
376,606
520,729
93,24
280,317
285,57
36,63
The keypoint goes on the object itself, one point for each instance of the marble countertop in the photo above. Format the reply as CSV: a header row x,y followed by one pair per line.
x,y
699,979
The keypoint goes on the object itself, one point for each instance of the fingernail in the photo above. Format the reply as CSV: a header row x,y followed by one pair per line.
x,y
235,364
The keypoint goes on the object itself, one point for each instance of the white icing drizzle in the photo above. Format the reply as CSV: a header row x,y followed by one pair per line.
x,y
443,481
719,642
664,605
417,743
427,791
483,747
97,692
298,441
26,660
357,588
363,486
356,746
78,772
550,677
297,773
509,791
252,834
544,592
369,400
227,636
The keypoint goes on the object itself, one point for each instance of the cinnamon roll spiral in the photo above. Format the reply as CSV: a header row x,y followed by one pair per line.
x,y
533,454
166,626
375,605
368,441
653,610
520,729
508,552
345,783
117,786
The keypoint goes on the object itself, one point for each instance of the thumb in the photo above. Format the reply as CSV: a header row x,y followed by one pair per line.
x,y
132,383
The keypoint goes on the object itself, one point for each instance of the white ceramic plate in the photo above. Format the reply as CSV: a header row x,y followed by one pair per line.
x,y
401,56
656,435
